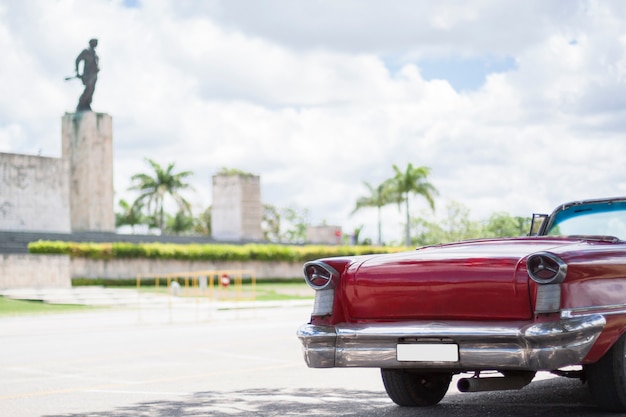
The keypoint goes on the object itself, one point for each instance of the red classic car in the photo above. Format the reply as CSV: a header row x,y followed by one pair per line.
x,y
551,301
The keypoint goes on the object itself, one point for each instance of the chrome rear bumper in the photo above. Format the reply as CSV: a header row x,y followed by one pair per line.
x,y
482,346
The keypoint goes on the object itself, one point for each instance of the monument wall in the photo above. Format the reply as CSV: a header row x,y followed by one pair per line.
x,y
34,193
324,235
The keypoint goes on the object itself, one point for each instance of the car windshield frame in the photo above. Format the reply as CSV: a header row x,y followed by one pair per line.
x,y
605,217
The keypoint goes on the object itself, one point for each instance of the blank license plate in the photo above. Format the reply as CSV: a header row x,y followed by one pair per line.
x,y
431,352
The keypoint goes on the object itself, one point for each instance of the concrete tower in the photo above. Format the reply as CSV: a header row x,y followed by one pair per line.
x,y
236,213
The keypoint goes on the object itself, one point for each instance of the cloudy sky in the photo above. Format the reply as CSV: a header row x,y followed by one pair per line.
x,y
515,106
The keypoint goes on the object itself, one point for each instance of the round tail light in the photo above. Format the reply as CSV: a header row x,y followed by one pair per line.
x,y
546,268
319,275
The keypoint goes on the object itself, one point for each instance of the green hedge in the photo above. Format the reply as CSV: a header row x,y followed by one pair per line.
x,y
202,252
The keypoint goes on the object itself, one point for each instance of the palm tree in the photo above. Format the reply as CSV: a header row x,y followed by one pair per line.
x,y
413,180
130,215
378,197
155,188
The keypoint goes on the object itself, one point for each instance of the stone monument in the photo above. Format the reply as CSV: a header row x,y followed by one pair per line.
x,y
73,193
237,212
89,76
87,143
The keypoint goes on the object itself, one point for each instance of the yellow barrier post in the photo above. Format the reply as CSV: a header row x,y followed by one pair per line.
x,y
229,282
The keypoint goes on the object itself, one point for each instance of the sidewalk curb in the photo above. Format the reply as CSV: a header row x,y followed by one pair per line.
x,y
105,297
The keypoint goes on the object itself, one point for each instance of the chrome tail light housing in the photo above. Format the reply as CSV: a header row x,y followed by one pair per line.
x,y
322,278
547,270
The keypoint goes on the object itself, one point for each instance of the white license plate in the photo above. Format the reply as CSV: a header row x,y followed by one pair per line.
x,y
428,352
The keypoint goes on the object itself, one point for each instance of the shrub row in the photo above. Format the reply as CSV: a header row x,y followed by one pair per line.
x,y
202,252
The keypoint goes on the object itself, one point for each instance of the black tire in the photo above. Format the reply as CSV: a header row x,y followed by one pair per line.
x,y
409,388
607,378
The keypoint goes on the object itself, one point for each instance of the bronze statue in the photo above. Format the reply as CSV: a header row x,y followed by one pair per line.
x,y
89,75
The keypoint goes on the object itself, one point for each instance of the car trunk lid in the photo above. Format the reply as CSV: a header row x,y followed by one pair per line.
x,y
468,280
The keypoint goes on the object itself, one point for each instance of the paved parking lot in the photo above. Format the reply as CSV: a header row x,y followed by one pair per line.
x,y
197,361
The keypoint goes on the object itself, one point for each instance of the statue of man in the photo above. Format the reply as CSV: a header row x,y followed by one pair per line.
x,y
89,75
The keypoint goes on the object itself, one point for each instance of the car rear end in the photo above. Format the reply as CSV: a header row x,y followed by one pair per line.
x,y
448,307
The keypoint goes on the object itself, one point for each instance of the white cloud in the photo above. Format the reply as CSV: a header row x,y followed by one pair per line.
x,y
301,94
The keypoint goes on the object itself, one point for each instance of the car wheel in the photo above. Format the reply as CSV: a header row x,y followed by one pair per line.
x,y
607,378
409,388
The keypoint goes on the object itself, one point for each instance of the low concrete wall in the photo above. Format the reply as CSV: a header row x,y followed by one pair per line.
x,y
129,268
56,271
34,271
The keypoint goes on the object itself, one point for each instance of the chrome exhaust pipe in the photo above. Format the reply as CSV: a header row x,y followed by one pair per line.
x,y
494,383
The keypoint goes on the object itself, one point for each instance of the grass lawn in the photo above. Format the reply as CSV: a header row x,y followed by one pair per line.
x,y
281,291
262,291
10,307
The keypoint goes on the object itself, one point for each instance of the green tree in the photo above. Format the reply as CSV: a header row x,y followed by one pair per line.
x,y
413,180
427,232
270,224
501,224
287,225
155,188
202,223
378,197
130,215
179,224
355,238
295,223
456,226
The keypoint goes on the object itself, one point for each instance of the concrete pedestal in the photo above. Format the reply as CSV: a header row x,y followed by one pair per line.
x,y
87,139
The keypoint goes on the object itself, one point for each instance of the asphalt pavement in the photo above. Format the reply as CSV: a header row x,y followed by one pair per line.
x,y
192,358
